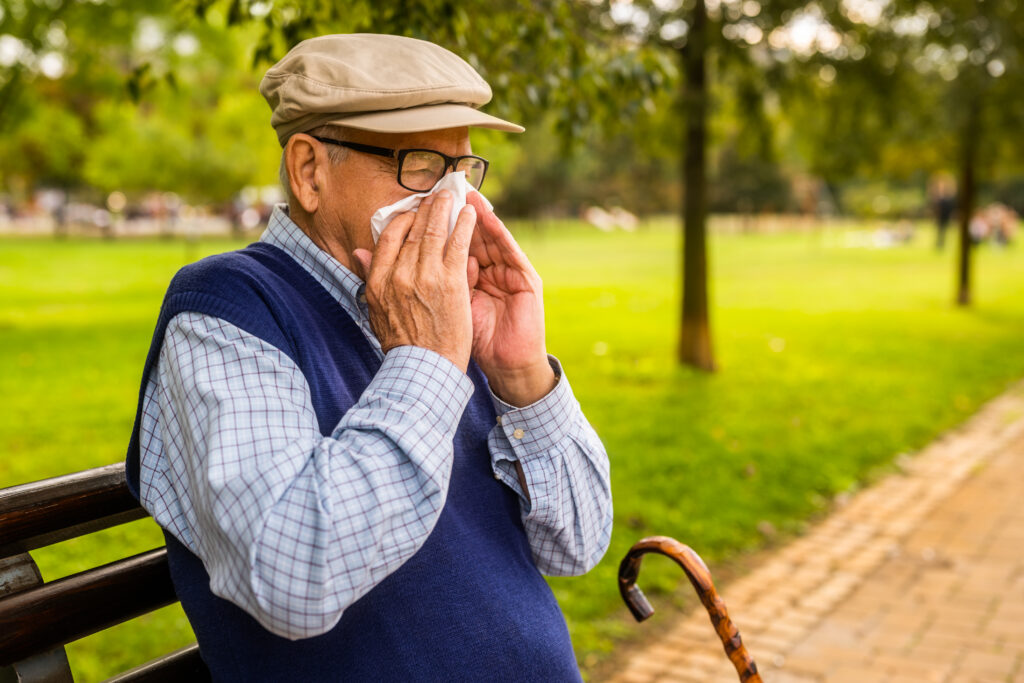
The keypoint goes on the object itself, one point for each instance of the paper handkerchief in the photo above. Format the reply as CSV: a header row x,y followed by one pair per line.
x,y
455,183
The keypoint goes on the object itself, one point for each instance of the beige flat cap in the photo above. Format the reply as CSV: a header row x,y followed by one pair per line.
x,y
388,84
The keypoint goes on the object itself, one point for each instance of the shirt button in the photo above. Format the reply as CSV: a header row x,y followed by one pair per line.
x,y
362,298
499,419
497,476
518,433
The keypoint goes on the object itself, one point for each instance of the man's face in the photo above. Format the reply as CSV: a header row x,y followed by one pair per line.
x,y
363,183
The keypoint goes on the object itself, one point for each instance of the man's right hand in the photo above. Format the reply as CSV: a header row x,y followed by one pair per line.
x,y
416,281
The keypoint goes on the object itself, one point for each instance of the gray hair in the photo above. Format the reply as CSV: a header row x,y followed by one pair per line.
x,y
335,155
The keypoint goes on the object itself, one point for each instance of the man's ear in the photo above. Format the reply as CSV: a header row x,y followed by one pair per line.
x,y
306,161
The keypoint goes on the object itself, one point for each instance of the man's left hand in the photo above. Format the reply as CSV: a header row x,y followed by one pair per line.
x,y
508,313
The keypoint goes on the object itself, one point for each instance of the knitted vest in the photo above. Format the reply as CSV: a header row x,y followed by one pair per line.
x,y
469,605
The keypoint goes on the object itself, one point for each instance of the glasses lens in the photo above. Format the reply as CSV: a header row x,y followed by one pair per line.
x,y
475,168
421,170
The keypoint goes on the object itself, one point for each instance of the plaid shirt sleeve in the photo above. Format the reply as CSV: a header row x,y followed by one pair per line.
x,y
567,504
291,525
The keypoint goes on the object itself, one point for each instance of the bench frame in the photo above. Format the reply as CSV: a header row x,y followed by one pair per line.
x,y
37,619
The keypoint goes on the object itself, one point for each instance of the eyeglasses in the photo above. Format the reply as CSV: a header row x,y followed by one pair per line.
x,y
420,169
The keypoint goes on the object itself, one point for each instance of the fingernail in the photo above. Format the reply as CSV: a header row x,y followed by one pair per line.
x,y
428,199
444,194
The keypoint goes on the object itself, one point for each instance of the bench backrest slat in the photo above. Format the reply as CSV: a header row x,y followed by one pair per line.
x,y
37,619
56,613
182,665
45,512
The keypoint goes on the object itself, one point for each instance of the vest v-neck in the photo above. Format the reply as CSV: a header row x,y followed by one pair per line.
x,y
279,260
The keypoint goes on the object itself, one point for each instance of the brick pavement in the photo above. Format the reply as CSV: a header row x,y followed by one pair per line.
x,y
918,578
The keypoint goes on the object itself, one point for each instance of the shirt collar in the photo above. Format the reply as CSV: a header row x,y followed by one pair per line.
x,y
339,281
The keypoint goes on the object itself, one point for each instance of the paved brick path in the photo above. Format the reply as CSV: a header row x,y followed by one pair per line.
x,y
918,578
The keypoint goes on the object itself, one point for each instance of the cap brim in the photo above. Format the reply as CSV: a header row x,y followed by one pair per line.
x,y
418,119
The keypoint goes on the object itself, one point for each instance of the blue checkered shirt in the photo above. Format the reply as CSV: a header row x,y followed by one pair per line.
x,y
233,463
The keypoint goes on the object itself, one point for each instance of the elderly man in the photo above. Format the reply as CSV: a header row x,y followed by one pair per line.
x,y
360,452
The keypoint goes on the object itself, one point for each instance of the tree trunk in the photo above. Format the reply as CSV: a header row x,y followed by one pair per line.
x,y
969,143
695,334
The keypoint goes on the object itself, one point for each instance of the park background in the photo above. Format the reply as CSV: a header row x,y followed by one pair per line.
x,y
805,148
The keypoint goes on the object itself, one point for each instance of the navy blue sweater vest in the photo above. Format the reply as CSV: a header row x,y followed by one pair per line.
x,y
470,605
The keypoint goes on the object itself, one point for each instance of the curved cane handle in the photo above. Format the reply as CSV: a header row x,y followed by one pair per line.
x,y
700,577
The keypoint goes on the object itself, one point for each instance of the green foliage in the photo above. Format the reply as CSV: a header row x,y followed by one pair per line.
x,y
883,200
896,94
543,178
543,59
205,158
835,360
748,184
143,101
885,100
48,149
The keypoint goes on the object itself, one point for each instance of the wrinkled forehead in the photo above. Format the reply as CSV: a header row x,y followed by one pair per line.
x,y
451,141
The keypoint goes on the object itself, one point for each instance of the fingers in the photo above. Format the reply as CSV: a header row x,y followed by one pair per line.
x,y
483,248
390,242
477,200
457,255
478,250
435,233
488,219
411,248
494,243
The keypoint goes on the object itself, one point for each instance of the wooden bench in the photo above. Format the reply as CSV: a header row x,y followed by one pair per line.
x,y
37,619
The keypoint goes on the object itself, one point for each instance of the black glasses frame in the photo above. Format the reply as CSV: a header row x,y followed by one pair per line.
x,y
400,154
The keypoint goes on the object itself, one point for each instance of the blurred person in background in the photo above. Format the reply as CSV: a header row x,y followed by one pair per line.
x,y
996,222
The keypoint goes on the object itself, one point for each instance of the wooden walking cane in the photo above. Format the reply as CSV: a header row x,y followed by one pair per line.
x,y
700,577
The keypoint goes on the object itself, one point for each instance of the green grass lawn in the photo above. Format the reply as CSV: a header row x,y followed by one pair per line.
x,y
833,361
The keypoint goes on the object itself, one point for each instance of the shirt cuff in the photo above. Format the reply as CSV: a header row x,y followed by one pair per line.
x,y
412,374
537,427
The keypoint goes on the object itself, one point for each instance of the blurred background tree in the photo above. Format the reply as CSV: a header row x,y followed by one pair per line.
x,y
908,88
968,57
128,96
720,37
737,106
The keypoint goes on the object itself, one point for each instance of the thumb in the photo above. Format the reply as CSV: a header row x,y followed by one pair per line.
x,y
363,258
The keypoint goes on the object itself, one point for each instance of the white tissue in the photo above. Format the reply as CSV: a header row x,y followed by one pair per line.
x,y
455,183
